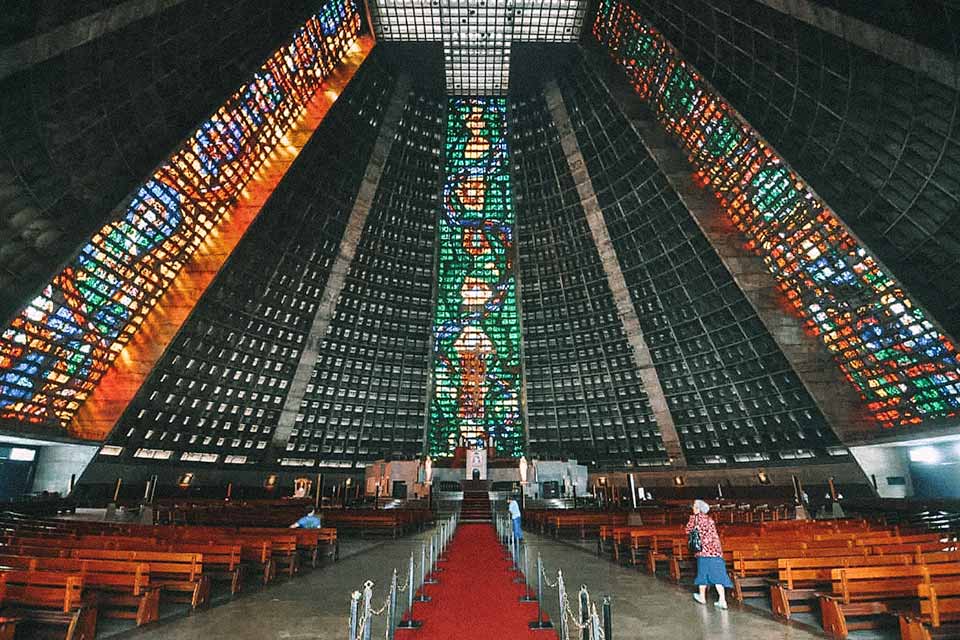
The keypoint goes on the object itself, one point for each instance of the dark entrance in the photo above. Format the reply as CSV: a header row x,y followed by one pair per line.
x,y
476,474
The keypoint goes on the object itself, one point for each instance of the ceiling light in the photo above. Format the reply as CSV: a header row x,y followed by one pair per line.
x,y
925,455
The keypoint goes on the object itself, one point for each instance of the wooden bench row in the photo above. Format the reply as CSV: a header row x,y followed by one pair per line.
x,y
859,574
60,575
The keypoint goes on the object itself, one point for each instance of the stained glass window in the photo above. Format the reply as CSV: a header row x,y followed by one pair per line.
x,y
56,350
476,366
903,366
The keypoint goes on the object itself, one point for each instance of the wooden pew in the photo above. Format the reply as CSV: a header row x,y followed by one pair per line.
x,y
310,542
754,571
179,573
583,522
866,597
800,580
123,588
939,615
221,562
48,604
226,562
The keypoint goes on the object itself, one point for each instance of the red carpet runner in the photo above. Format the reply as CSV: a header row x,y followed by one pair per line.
x,y
476,598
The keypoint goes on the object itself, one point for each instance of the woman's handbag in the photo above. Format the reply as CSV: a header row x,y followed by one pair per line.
x,y
693,540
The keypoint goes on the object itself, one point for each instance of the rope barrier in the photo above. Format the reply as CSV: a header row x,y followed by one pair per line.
x,y
586,622
362,611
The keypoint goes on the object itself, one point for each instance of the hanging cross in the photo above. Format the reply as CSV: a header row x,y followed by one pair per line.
x,y
477,34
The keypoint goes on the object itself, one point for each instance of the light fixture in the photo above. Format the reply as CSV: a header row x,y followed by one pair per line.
x,y
185,480
762,477
25,455
925,455
679,481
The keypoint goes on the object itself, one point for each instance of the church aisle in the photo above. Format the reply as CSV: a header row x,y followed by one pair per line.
x,y
315,605
647,607
476,598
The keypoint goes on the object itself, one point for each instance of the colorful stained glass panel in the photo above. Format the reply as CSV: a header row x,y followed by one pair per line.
x,y
476,367
53,354
905,369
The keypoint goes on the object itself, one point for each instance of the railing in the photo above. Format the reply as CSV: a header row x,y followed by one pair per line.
x,y
587,623
362,611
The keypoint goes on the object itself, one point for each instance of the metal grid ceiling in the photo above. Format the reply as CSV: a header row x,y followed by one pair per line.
x,y
477,34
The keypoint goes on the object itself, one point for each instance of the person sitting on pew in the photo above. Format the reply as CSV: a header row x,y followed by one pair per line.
x,y
309,521
710,567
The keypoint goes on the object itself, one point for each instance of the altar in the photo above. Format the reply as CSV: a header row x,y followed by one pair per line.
x,y
474,462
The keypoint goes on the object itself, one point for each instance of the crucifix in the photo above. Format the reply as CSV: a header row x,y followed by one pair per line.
x,y
477,34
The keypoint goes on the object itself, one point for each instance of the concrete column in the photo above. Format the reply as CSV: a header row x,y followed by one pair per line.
x,y
615,279
891,46
44,46
882,464
341,265
834,395
57,462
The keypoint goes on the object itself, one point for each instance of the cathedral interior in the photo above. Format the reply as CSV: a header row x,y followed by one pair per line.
x,y
599,257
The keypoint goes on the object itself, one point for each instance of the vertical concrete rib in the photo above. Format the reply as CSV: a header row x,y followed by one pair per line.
x,y
615,279
341,264
48,44
833,394
877,40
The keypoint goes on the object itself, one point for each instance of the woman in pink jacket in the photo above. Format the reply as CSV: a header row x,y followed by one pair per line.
x,y
710,567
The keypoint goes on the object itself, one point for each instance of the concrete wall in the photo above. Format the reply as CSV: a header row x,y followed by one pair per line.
x,y
844,473
101,475
57,462
883,463
569,474
386,473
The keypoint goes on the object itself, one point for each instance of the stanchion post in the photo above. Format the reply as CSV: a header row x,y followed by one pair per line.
x,y
595,625
520,557
540,623
354,614
425,578
410,623
432,571
607,618
435,552
526,597
367,610
584,612
562,596
392,607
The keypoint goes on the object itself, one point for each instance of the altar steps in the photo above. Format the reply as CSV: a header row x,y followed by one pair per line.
x,y
475,507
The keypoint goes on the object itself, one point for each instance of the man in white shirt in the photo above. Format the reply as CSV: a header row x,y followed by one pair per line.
x,y
514,509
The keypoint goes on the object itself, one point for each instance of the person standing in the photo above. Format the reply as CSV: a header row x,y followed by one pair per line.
x,y
514,509
710,567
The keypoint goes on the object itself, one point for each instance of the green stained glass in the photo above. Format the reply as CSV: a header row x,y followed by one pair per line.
x,y
679,94
476,328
